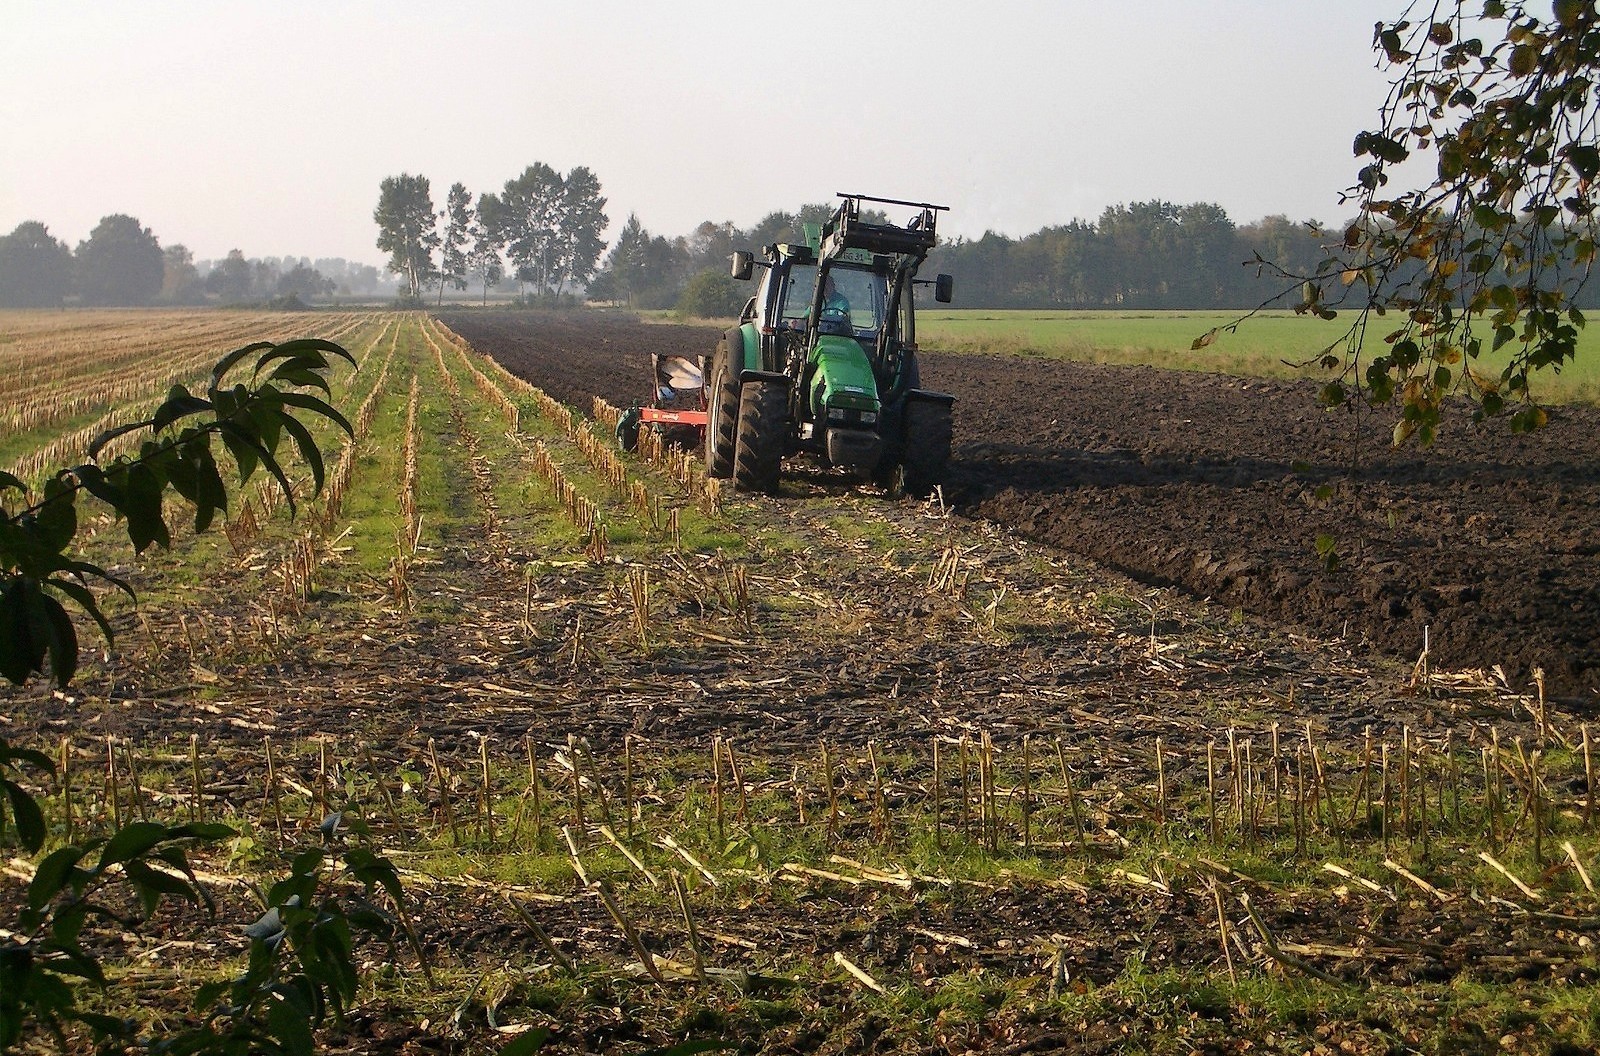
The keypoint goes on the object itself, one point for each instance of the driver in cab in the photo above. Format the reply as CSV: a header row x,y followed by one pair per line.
x,y
835,308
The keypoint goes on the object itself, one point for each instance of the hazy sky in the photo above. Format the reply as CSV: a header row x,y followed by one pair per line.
x,y
267,127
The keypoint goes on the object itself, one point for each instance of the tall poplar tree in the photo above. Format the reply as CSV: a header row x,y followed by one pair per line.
x,y
406,229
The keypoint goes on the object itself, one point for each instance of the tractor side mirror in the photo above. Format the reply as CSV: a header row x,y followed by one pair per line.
x,y
743,265
944,288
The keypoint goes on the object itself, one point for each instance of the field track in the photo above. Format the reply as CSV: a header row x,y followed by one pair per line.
x,y
1484,544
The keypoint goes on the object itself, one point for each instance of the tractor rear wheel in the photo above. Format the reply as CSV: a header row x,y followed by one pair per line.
x,y
722,413
758,451
927,450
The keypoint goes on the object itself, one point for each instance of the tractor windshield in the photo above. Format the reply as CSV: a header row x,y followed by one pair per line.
x,y
864,291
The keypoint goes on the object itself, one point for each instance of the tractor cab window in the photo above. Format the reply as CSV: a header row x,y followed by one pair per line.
x,y
864,291
797,293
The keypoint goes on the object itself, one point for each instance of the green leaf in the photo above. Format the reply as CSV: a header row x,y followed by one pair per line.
x,y
227,362
526,1043
142,494
179,404
1328,549
62,639
291,1026
1524,60
86,601
57,517
292,373
307,402
109,435
1585,159
309,451
20,653
153,883
94,481
131,841
25,813
244,445
53,876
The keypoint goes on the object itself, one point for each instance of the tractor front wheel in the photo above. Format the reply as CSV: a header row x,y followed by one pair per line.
x,y
927,450
758,450
722,413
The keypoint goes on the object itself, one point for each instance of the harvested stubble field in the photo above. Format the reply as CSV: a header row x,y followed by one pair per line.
x,y
859,775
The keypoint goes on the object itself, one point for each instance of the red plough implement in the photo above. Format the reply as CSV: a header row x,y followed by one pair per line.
x,y
677,408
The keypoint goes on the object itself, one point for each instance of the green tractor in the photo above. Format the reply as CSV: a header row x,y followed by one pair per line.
x,y
824,360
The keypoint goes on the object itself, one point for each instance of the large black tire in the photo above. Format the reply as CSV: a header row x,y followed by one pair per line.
x,y
763,423
927,450
891,426
722,412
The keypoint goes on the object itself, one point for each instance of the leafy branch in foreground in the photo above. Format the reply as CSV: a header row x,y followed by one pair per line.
x,y
1483,262
248,420
301,963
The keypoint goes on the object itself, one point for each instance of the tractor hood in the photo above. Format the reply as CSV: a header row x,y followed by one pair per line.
x,y
842,379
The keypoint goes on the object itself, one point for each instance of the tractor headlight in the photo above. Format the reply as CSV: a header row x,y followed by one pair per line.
x,y
835,414
869,418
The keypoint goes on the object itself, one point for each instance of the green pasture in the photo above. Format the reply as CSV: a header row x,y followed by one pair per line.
x,y
1269,344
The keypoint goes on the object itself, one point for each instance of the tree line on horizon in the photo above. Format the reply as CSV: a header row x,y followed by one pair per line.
x,y
548,227
1144,255
122,263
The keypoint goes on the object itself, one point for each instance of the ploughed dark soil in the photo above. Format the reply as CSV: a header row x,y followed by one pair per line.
x,y
1485,544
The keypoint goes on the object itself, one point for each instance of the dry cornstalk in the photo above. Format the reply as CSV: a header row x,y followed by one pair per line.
x,y
627,781
716,785
1072,794
682,894
272,790
601,795
737,776
1211,788
694,863
1375,888
1027,797
633,859
880,812
572,852
66,785
441,778
487,790
1588,781
833,793
1400,870
1577,863
1222,929
544,939
135,783
577,781
861,976
196,788
388,799
646,958
1489,860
